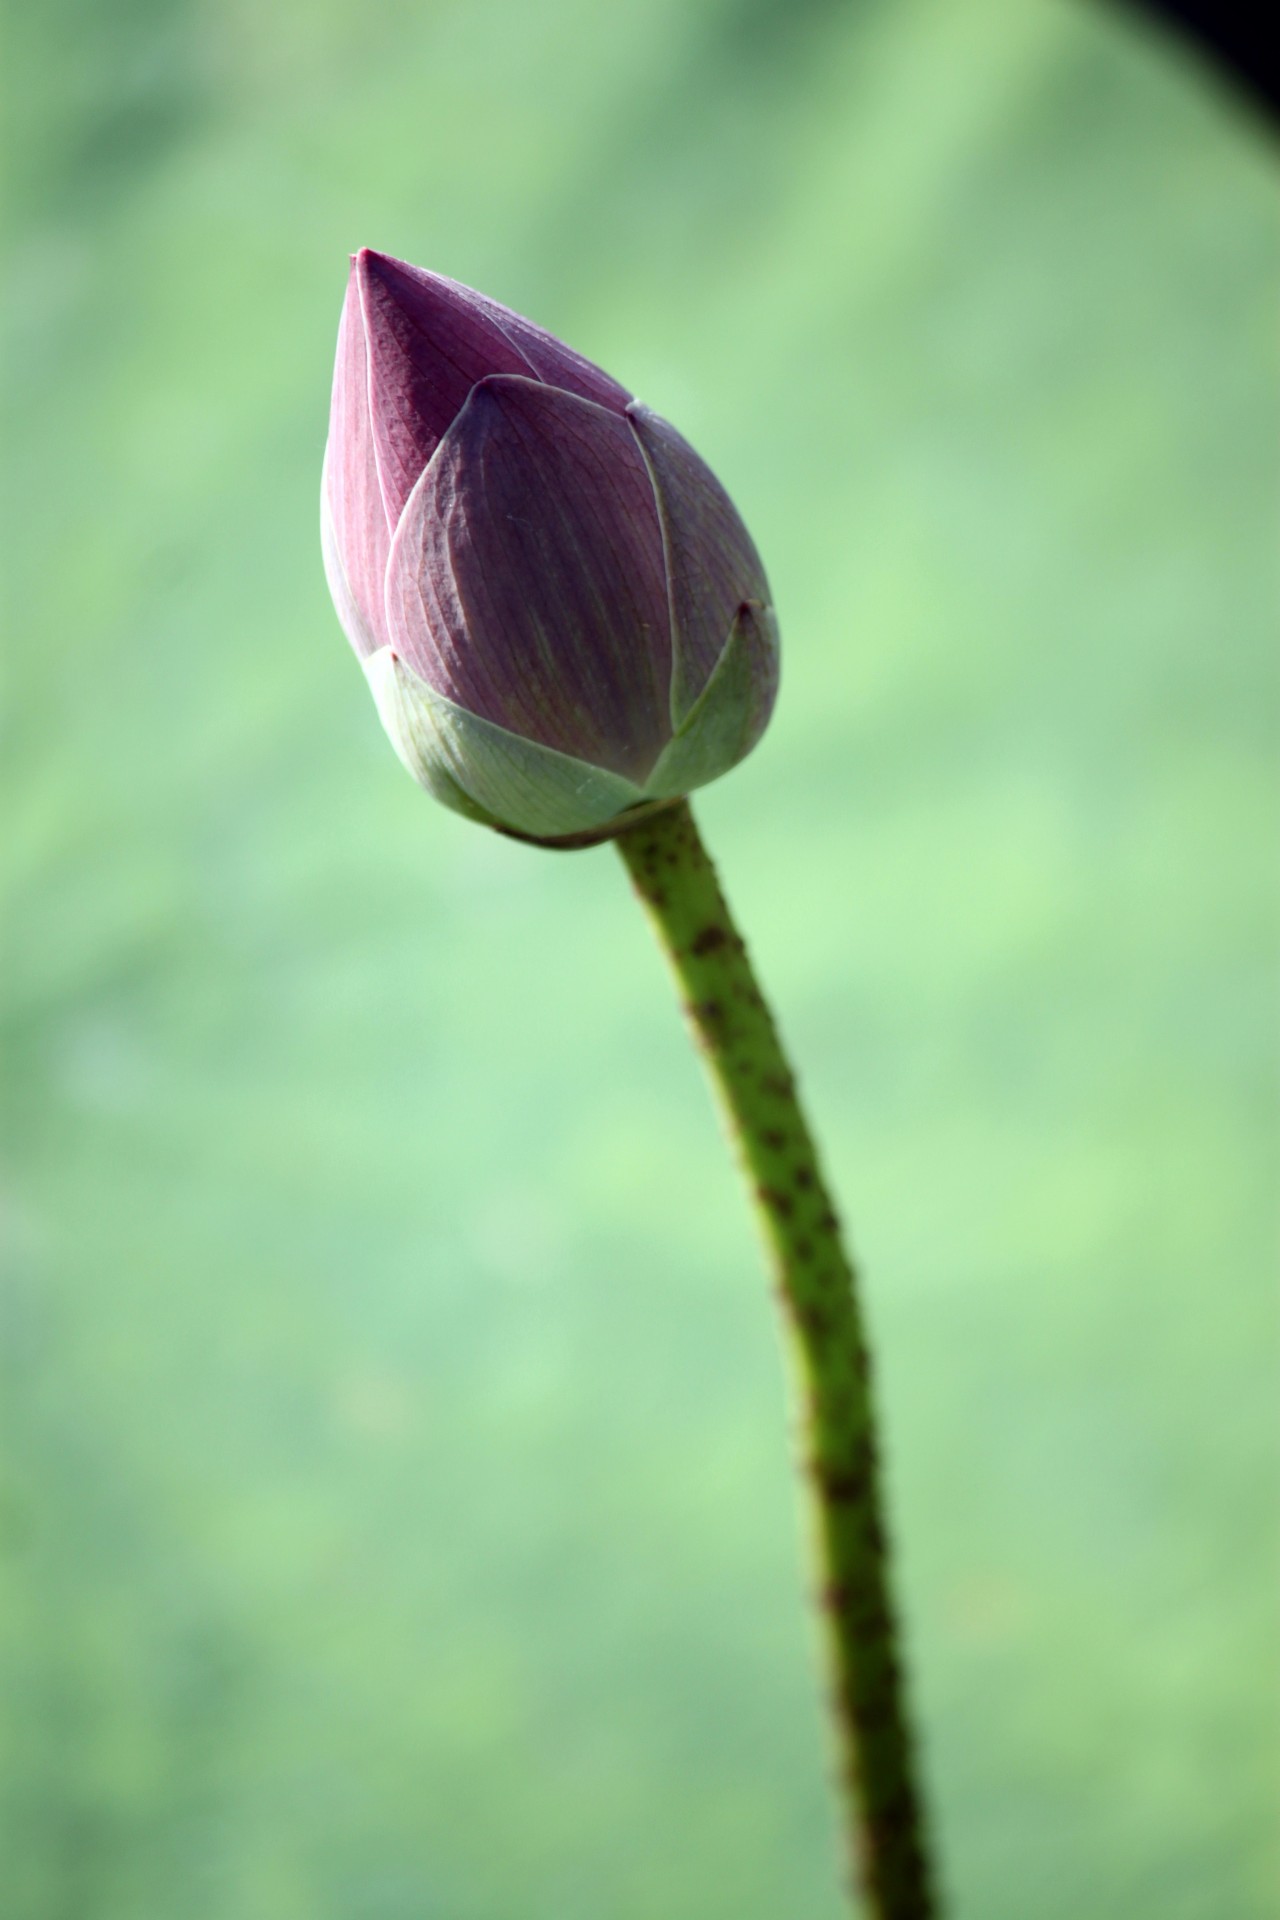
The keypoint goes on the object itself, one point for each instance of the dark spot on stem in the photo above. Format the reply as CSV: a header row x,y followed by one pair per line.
x,y
865,1613
710,940
814,1320
845,1485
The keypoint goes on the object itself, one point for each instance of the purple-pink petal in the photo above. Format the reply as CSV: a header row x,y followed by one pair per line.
x,y
430,340
552,361
354,496
527,579
713,564
427,349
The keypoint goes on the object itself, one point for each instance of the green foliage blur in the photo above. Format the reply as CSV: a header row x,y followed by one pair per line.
x,y
397,1517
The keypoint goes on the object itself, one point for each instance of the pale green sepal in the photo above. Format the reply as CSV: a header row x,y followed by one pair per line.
x,y
484,771
730,713
412,732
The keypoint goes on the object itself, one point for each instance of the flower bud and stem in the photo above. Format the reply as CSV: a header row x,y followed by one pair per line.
x,y
566,629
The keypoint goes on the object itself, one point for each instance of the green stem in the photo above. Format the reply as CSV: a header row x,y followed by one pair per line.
x,y
735,1031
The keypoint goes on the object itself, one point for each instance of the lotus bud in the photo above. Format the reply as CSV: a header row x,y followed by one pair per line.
x,y
560,614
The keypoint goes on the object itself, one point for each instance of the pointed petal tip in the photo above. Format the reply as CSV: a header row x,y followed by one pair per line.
x,y
390,271
370,268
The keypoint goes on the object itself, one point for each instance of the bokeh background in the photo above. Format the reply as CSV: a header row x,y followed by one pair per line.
x,y
397,1518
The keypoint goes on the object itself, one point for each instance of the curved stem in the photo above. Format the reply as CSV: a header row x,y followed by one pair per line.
x,y
735,1031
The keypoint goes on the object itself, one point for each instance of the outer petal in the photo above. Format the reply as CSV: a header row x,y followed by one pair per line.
x,y
484,772
430,340
712,563
552,361
527,579
731,712
356,536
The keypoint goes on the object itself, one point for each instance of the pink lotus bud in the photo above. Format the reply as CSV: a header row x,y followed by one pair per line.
x,y
558,609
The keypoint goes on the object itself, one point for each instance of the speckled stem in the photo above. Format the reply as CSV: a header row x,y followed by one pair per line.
x,y
735,1031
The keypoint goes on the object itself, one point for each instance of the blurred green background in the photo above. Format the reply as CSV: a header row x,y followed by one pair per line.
x,y
397,1520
